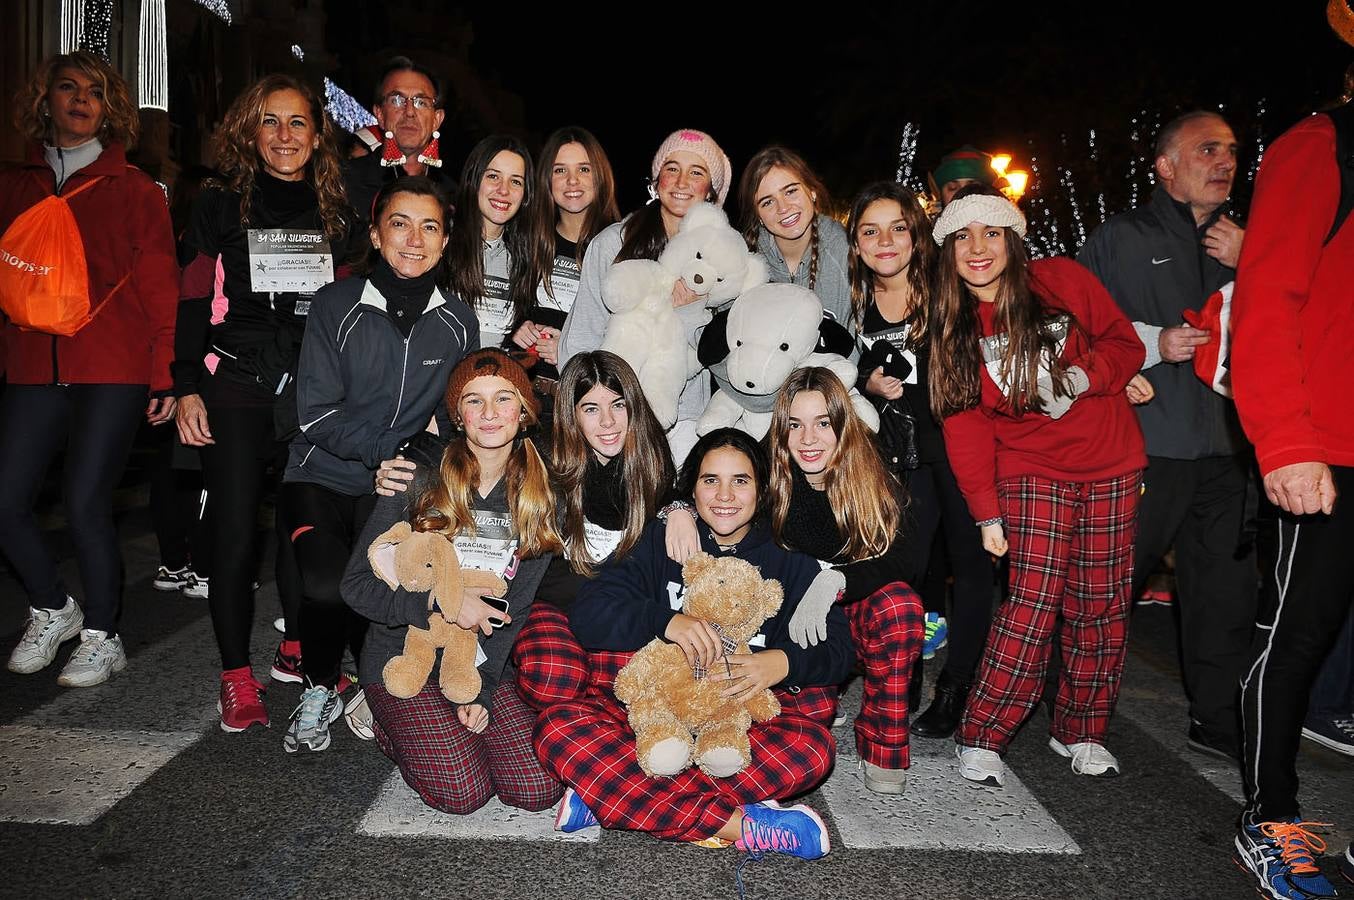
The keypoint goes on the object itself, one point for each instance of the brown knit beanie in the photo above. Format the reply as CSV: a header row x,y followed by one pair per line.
x,y
491,361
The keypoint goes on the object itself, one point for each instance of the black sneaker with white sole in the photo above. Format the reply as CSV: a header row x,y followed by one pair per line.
x,y
1333,731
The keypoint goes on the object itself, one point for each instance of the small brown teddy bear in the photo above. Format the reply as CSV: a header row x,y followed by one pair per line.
x,y
668,702
427,561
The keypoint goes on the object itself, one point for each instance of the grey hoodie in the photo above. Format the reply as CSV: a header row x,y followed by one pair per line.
x,y
833,284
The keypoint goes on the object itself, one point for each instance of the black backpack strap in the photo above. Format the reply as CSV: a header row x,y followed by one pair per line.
x,y
1343,118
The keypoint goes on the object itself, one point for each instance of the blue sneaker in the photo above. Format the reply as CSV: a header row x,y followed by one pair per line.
x,y
1282,858
573,814
794,830
937,635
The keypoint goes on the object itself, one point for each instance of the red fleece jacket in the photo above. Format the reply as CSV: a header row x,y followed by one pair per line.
x,y
1097,438
1293,307
124,222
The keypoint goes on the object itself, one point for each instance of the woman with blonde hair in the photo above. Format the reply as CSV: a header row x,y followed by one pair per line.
x,y
490,494
83,393
833,498
237,345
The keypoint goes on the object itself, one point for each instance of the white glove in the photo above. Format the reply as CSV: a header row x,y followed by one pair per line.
x,y
1075,382
808,624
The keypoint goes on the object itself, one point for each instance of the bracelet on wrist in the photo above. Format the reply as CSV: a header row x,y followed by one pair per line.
x,y
995,520
673,507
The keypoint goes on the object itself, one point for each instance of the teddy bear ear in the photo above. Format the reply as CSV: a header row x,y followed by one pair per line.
x,y
382,552
757,272
697,565
772,597
704,214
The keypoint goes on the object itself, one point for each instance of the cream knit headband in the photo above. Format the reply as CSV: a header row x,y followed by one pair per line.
x,y
984,208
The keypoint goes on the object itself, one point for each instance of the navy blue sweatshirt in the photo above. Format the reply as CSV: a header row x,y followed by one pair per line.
x,y
630,603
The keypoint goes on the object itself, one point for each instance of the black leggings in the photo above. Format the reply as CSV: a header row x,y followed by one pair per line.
x,y
234,470
322,526
177,508
94,424
936,502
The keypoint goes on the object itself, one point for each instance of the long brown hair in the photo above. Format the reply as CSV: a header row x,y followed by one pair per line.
x,y
956,361
465,250
237,157
120,120
920,270
757,168
645,461
866,498
446,502
544,216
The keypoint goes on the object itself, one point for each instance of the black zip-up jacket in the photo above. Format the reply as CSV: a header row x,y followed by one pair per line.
x,y
364,177
1152,261
630,603
362,388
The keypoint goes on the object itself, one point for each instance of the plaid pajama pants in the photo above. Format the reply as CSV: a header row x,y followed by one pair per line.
x,y
588,745
552,666
454,770
887,628
1071,550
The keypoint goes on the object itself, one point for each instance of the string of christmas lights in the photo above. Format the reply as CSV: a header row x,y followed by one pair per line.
x,y
219,8
344,108
152,68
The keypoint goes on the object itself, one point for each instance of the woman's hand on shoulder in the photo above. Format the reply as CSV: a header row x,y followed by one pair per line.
x,y
393,476
680,535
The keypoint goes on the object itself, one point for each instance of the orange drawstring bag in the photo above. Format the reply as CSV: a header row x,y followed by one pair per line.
x,y
44,283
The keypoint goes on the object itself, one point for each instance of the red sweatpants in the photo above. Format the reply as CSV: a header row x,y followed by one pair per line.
x,y
1071,549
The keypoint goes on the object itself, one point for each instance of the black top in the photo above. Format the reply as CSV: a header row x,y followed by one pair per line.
x,y
365,176
604,509
909,366
810,527
551,311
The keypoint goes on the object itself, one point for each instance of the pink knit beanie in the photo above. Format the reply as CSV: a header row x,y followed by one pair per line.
x,y
704,146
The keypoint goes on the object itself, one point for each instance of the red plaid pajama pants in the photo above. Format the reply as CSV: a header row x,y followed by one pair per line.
x,y
588,745
1071,549
887,628
552,666
454,770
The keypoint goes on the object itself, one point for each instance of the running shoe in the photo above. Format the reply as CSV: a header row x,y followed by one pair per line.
x,y
792,830
1088,757
980,765
47,630
937,635
198,586
319,708
1281,857
1335,732
167,579
882,780
357,713
287,663
241,701
94,661
573,814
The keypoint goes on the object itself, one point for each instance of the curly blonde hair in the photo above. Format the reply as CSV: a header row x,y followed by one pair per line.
x,y
120,120
237,157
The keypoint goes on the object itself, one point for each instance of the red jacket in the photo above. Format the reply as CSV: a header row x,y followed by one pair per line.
x,y
1293,307
124,221
1097,438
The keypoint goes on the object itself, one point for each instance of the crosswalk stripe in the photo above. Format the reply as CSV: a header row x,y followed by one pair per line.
x,y
398,811
71,776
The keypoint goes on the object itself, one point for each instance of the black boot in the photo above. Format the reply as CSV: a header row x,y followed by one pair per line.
x,y
942,717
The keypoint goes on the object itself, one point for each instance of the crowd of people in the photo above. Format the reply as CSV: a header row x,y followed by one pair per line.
x,y
395,345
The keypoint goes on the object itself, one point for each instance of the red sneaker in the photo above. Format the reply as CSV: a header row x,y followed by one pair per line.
x,y
241,701
287,663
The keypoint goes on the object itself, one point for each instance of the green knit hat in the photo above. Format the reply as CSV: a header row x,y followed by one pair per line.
x,y
966,162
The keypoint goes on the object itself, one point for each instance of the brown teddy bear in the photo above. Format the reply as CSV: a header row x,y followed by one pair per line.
x,y
427,561
668,702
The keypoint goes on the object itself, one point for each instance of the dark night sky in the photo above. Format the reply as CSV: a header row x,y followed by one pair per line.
x,y
839,90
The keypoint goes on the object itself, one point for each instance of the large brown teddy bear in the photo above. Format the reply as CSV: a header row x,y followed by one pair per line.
x,y
669,703
427,561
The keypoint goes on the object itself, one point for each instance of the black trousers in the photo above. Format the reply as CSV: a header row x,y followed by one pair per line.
x,y
1313,578
1199,506
94,424
177,509
936,503
322,527
235,472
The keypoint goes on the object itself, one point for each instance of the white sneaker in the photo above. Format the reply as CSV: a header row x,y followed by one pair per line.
x,y
981,766
1088,758
47,630
358,715
97,657
172,579
197,586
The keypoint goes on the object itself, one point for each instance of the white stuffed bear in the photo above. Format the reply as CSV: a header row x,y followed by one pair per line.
x,y
771,330
645,329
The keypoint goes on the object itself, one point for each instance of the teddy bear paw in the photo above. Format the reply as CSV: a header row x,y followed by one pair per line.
x,y
669,756
721,762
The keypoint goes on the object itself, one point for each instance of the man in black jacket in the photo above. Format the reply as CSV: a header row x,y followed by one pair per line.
x,y
1157,261
408,106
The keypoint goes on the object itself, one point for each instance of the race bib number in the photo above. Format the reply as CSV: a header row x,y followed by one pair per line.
x,y
493,310
287,260
994,346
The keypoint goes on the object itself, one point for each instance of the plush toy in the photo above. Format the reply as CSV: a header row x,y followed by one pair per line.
x,y
770,331
427,561
645,330
669,703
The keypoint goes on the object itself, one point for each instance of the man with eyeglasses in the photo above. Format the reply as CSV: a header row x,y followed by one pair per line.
x,y
408,113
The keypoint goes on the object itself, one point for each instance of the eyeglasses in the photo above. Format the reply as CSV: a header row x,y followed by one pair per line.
x,y
399,101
